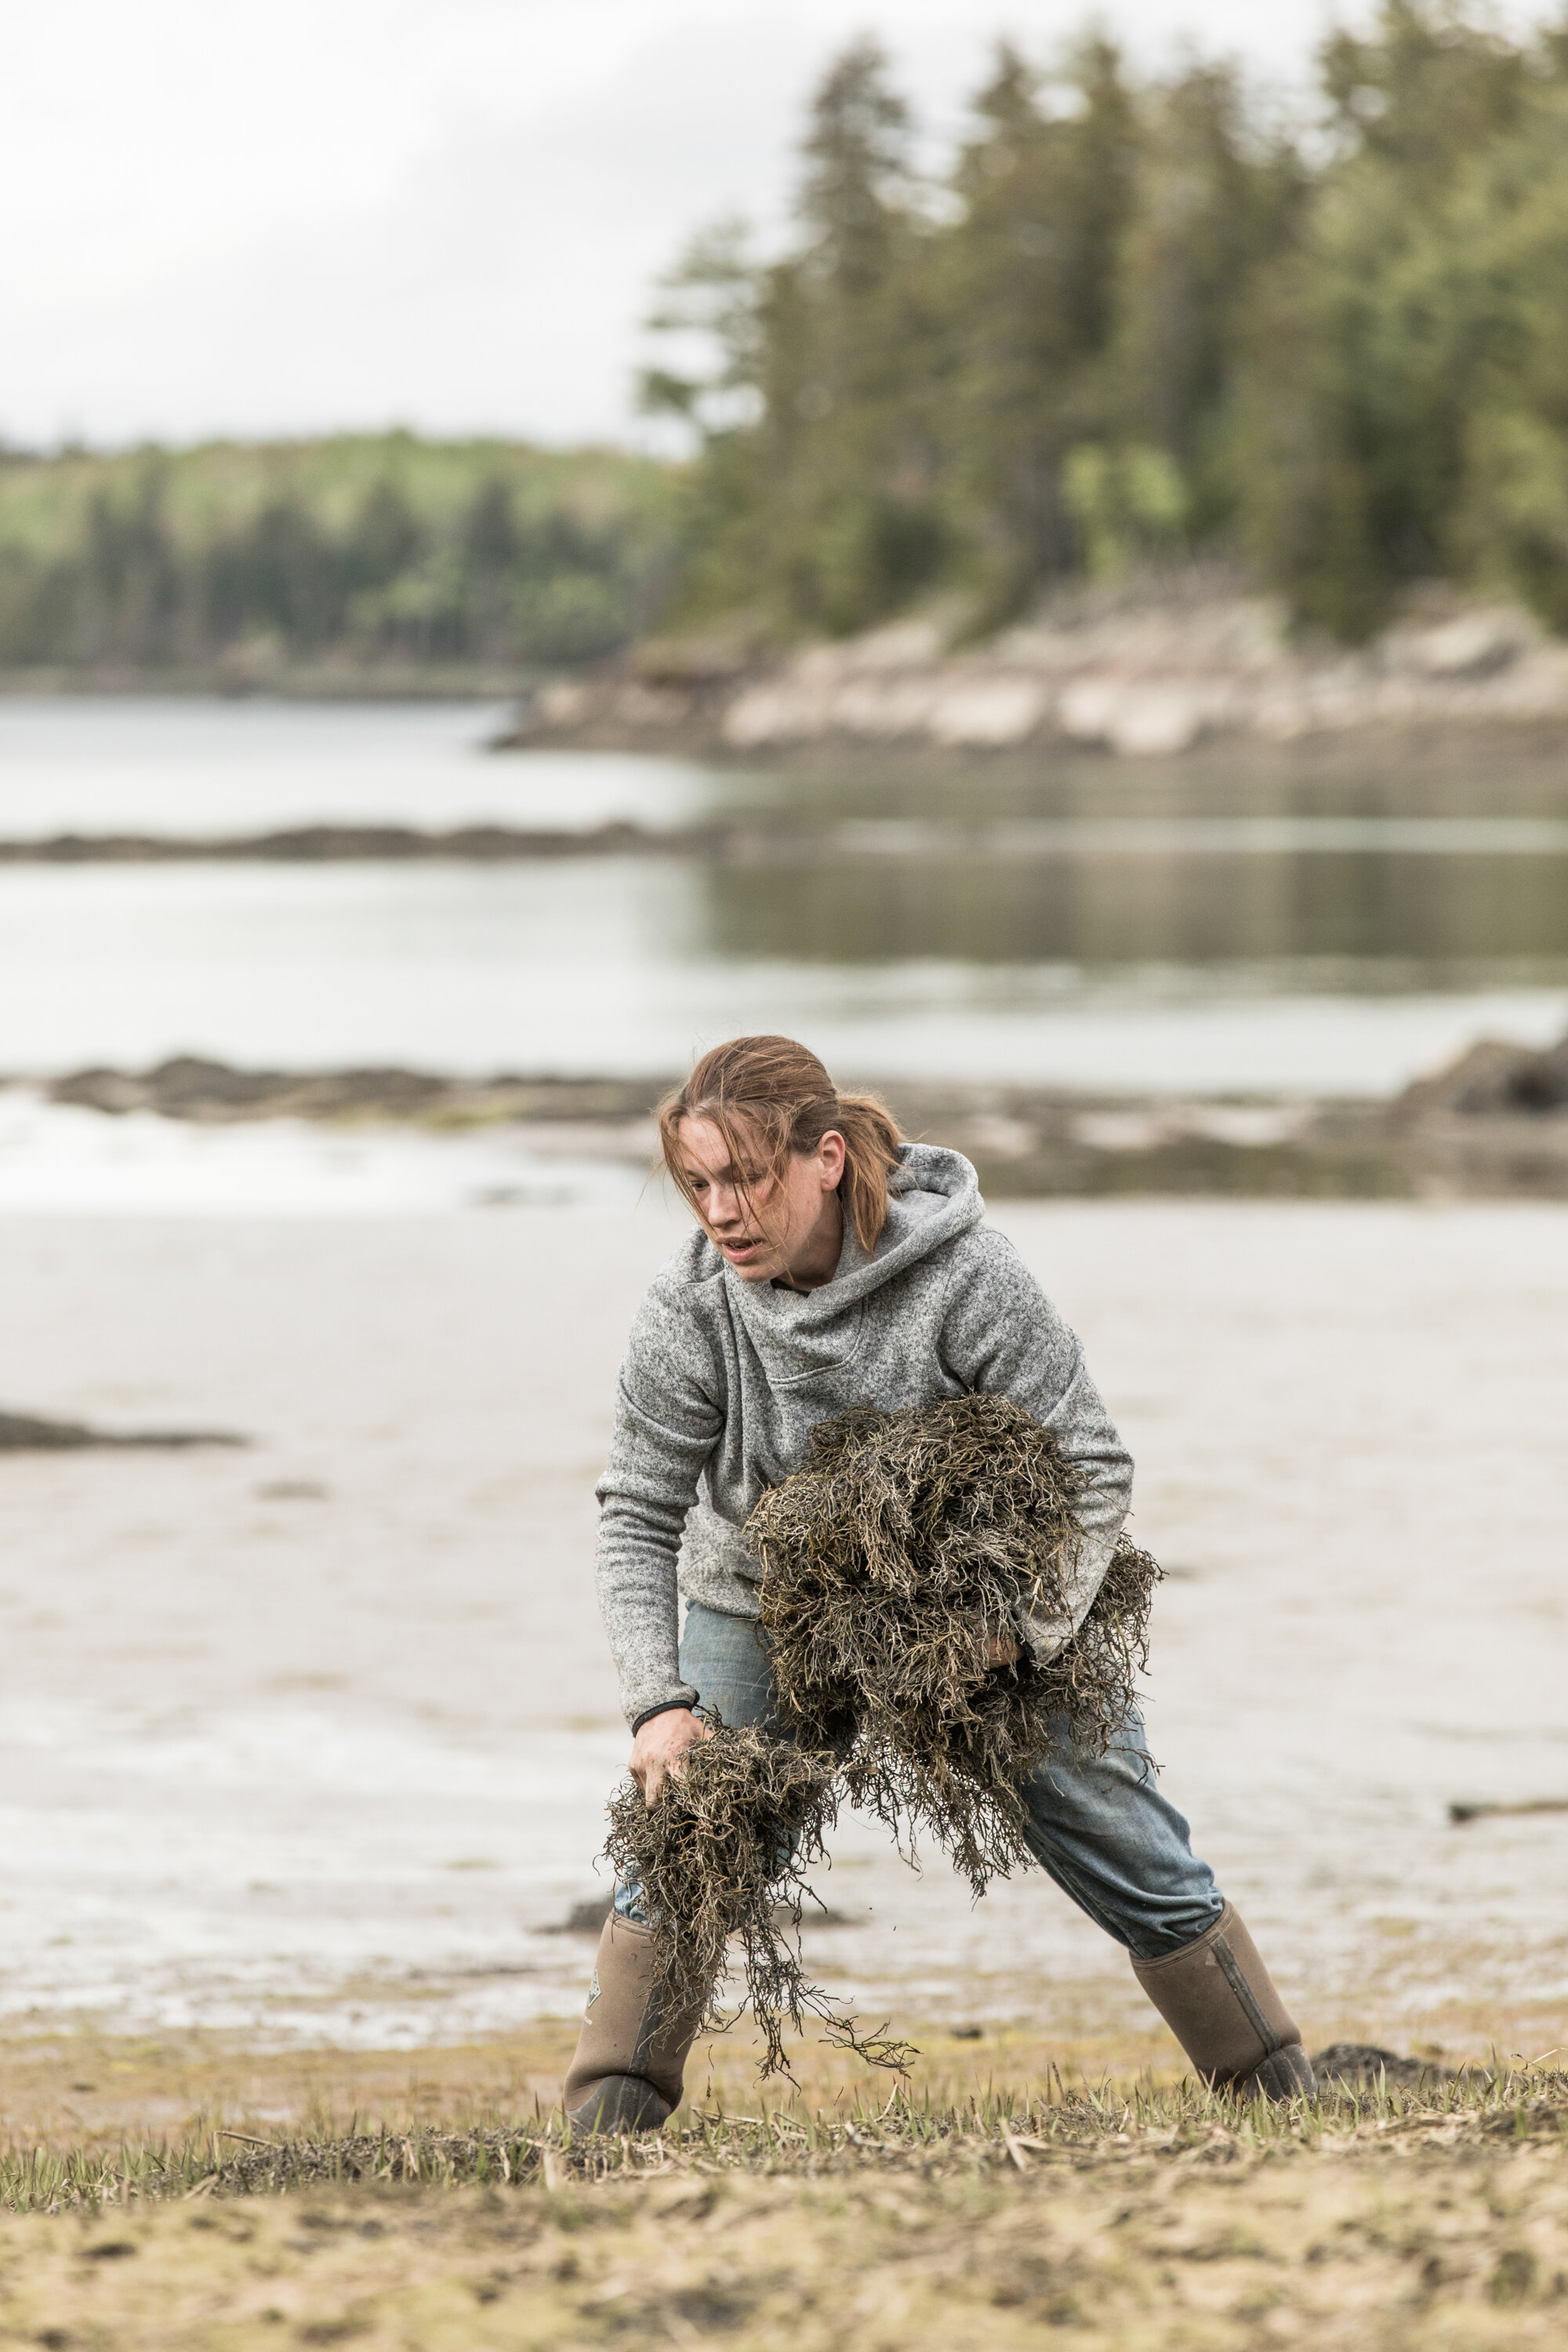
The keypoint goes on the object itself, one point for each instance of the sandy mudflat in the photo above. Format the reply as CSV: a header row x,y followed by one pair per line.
x,y
312,1739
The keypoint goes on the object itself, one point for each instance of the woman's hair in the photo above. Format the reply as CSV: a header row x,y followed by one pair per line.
x,y
771,1100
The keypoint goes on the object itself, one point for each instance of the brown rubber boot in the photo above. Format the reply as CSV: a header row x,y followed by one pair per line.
x,y
1219,2002
630,2062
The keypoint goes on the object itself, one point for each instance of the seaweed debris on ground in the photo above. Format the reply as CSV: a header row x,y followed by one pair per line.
x,y
910,1547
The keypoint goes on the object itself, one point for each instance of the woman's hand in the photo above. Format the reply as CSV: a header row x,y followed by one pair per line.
x,y
659,1747
1003,1649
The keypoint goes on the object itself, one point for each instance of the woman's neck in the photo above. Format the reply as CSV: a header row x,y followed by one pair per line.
x,y
817,1259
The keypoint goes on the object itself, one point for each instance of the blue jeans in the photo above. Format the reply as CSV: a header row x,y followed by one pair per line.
x,y
1097,1823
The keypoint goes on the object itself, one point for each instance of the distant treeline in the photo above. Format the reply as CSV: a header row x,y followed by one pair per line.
x,y
368,550
1143,320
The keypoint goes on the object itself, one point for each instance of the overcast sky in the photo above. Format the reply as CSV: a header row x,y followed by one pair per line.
x,y
260,216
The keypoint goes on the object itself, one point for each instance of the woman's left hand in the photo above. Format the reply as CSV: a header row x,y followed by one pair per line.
x,y
1003,1649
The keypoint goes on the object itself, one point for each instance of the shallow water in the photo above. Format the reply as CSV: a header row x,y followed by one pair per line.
x,y
312,1739
1059,923
613,965
199,766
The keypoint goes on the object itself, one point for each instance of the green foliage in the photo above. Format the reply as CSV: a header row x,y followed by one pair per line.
x,y
1140,320
357,549
817,496
1126,502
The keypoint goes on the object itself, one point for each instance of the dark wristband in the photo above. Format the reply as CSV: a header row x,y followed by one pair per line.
x,y
665,1707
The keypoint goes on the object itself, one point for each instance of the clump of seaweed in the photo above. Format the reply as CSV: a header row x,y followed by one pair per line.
x,y
911,1547
724,1848
911,1544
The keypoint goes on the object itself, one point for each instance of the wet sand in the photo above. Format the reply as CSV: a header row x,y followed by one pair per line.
x,y
309,1743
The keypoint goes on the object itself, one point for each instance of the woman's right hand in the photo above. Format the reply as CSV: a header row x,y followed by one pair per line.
x,y
659,1747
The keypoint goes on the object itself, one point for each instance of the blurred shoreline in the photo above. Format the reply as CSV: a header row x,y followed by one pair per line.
x,y
1161,670
1149,672
1493,1125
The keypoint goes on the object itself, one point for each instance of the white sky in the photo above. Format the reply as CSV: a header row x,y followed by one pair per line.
x,y
257,217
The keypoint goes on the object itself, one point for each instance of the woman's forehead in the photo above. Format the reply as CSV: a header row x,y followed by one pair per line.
x,y
702,1144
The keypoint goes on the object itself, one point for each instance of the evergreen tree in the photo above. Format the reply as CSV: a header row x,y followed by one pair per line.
x,y
1032,277
816,498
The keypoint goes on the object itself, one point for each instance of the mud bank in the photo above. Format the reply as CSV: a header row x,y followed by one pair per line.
x,y
1493,1126
1142,677
242,679
315,844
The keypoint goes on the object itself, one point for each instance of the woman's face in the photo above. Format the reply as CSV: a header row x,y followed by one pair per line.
x,y
767,1226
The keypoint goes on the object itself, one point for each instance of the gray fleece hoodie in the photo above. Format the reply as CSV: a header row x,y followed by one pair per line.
x,y
724,1379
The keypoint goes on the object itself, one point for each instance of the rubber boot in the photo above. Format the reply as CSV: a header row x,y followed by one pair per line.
x,y
630,2064
1219,2002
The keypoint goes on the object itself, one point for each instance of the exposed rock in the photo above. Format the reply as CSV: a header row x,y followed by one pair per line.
x,y
1140,717
1495,1080
1144,677
988,714
1476,644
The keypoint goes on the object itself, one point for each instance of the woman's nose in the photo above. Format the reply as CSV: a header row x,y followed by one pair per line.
x,y
721,1207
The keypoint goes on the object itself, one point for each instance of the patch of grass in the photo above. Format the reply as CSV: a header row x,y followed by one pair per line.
x,y
1151,2219
908,2131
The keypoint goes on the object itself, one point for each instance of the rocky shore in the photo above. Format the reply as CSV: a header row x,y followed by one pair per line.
x,y
1145,674
1494,1124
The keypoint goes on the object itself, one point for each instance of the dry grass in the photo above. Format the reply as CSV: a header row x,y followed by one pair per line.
x,y
1154,2220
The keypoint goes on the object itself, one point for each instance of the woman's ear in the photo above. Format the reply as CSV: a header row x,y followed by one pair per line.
x,y
830,1154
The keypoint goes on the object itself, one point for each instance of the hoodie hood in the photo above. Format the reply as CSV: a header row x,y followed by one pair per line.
x,y
933,1199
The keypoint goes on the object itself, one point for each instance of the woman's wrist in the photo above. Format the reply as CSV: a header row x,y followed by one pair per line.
x,y
664,1706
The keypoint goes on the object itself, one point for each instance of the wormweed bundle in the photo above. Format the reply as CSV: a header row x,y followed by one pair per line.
x,y
720,1856
911,1542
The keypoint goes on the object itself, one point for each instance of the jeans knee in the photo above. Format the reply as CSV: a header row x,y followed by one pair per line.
x,y
1157,1935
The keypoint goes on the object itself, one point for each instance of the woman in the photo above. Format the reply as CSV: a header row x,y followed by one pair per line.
x,y
837,1266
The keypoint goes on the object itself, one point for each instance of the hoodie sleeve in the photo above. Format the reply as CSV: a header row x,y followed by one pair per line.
x,y
1001,1335
668,1416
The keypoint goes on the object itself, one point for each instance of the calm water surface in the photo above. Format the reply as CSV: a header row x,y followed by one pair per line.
x,y
1059,923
